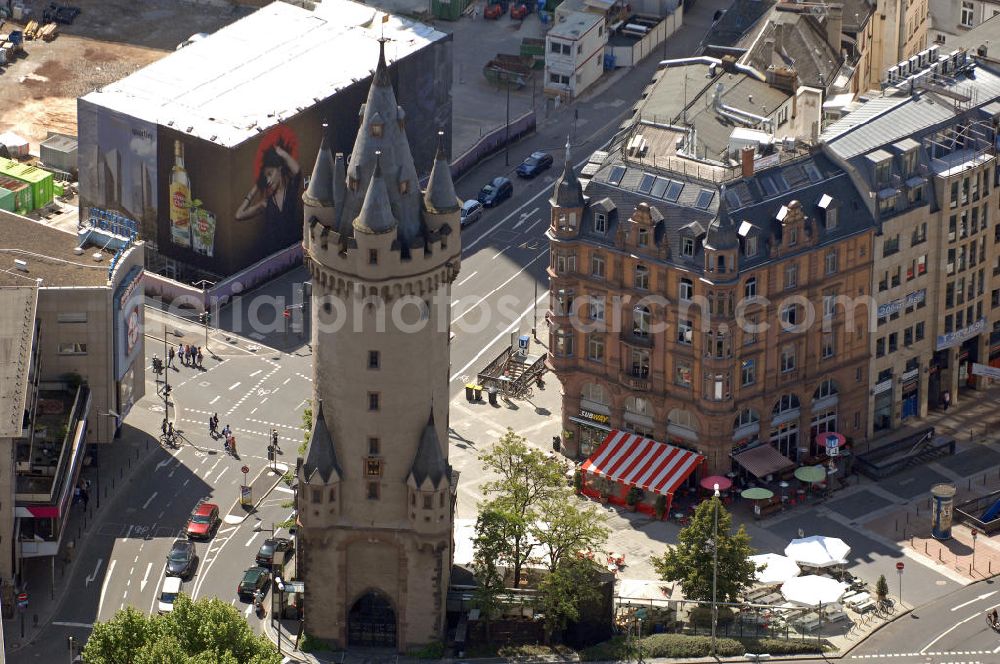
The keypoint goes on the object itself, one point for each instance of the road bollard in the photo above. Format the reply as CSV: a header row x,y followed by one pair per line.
x,y
940,557
925,546
989,567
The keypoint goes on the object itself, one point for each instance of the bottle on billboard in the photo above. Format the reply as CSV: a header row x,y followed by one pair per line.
x,y
202,229
180,200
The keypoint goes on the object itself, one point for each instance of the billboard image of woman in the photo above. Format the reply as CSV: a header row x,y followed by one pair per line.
x,y
277,189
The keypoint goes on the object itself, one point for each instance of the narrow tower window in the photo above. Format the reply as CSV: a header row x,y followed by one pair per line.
x,y
373,256
373,446
373,401
373,491
373,359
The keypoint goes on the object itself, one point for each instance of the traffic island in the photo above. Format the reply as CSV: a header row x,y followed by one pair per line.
x,y
253,492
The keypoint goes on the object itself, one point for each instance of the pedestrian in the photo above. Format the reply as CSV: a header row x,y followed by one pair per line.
x,y
85,497
180,352
232,446
946,399
163,426
200,357
170,356
77,495
170,430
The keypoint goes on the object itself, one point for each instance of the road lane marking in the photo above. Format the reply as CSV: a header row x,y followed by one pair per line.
x,y
287,380
499,253
948,631
256,372
474,273
528,229
185,483
160,515
254,410
128,533
252,538
59,623
284,489
104,586
165,462
149,500
263,400
213,400
509,279
974,600
234,385
145,579
524,218
221,473
503,333
246,613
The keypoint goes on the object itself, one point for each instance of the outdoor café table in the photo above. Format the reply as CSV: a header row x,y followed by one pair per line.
x,y
858,599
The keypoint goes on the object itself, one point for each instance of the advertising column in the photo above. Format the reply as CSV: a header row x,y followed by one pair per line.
x,y
942,499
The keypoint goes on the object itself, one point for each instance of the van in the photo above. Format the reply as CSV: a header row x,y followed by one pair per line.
x,y
171,588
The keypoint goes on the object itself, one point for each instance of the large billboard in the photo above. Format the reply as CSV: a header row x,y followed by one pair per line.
x,y
128,315
117,163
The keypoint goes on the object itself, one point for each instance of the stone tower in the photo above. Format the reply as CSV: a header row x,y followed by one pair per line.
x,y
376,493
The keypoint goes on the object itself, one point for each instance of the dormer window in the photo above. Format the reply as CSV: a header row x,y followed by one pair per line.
x,y
831,219
882,170
909,162
687,246
377,129
793,237
750,247
601,223
643,237
404,186
721,263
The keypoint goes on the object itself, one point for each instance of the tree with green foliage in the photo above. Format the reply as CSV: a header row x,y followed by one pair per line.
x,y
307,427
527,479
690,562
881,588
491,546
572,584
208,631
564,529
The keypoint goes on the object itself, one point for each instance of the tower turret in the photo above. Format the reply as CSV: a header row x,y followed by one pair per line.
x,y
440,201
567,201
318,199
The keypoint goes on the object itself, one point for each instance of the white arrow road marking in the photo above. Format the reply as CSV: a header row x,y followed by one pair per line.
x,y
149,500
246,613
524,218
165,462
973,601
97,568
948,631
104,586
145,579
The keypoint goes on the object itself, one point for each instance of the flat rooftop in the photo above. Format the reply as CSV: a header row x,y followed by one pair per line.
x,y
49,254
575,26
263,69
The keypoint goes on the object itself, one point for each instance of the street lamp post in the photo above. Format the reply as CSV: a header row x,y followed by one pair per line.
x,y
975,534
715,562
899,570
205,316
71,641
506,148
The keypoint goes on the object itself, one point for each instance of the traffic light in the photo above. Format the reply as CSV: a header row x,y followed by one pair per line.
x,y
205,317
270,453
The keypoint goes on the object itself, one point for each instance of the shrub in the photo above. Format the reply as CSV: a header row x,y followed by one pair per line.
x,y
682,645
882,587
433,650
634,496
783,646
312,644
660,506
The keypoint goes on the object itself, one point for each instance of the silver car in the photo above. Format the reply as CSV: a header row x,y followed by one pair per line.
x,y
471,212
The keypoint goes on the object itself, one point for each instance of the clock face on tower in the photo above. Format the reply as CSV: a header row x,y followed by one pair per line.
x,y
373,467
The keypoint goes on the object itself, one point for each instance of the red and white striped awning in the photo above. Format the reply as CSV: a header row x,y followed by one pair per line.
x,y
636,461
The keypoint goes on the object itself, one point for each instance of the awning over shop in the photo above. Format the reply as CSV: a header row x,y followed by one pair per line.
x,y
636,461
763,460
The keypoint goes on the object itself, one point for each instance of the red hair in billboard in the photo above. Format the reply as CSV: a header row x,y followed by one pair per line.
x,y
277,188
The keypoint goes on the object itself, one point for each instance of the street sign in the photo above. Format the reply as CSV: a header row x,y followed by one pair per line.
x,y
245,469
975,533
246,495
899,567
22,600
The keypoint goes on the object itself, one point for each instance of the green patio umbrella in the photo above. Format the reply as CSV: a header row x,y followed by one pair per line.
x,y
757,493
811,474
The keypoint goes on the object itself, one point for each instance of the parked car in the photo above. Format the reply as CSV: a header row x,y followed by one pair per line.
x,y
168,594
181,559
534,164
496,192
254,579
271,548
204,521
471,212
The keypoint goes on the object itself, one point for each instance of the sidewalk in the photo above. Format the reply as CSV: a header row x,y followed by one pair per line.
x,y
45,578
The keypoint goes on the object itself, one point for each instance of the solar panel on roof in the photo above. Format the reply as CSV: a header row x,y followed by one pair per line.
x,y
659,187
617,173
646,184
704,199
795,176
812,172
673,191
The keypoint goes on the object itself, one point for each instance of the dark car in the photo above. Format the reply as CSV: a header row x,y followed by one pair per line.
x,y
496,192
204,521
254,579
535,164
181,560
270,549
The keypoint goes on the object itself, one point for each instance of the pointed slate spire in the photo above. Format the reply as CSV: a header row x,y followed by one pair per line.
x,y
440,195
429,463
381,77
568,192
721,233
321,458
321,184
376,212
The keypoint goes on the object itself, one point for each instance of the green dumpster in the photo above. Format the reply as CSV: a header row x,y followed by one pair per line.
x,y
448,10
6,200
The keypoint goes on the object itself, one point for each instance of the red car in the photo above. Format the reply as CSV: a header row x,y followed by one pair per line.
x,y
204,521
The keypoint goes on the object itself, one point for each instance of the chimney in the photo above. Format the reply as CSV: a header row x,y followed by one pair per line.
x,y
779,37
746,161
834,26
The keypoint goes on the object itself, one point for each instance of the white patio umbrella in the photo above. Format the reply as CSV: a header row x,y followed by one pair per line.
x,y
818,551
777,568
813,590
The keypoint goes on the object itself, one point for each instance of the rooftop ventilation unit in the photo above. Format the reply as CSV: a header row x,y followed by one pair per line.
x,y
97,256
78,251
21,265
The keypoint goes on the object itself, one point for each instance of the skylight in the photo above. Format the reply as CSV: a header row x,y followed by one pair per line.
x,y
616,175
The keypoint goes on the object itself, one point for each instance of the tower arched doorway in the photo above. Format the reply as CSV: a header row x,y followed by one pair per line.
x,y
371,622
